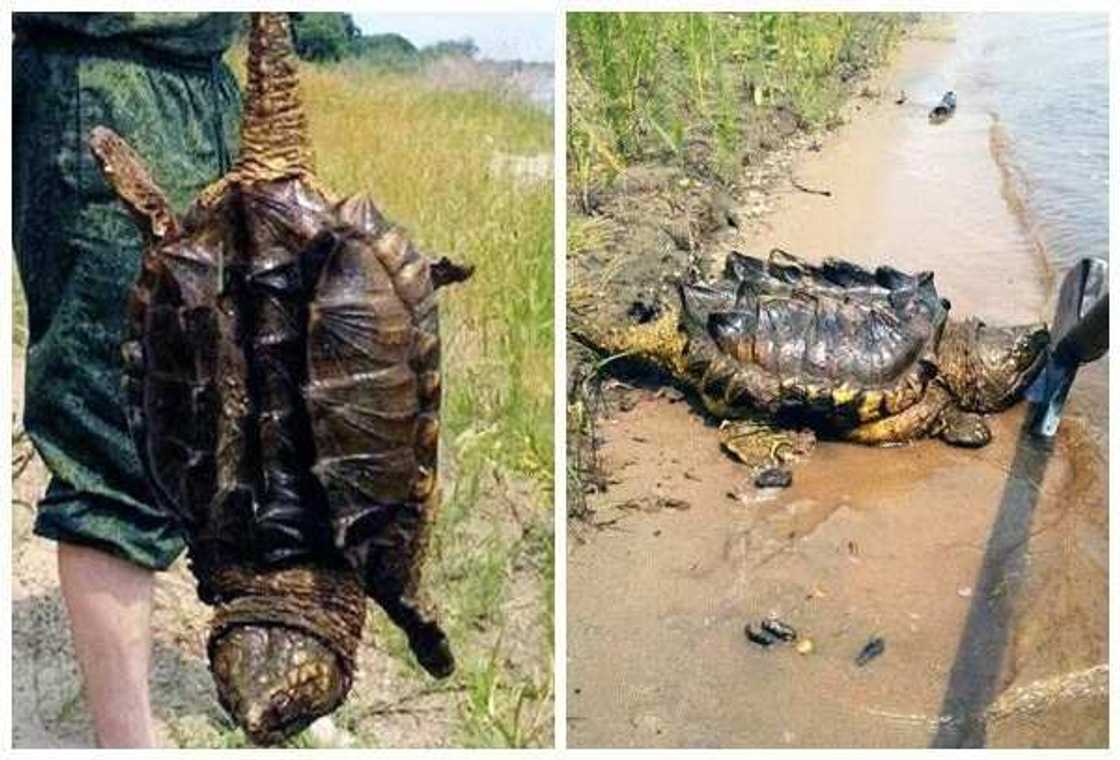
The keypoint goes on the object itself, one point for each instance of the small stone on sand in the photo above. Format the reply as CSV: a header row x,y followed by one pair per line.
x,y
774,477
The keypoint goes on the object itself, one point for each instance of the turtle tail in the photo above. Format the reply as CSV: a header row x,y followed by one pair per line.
x,y
274,138
658,342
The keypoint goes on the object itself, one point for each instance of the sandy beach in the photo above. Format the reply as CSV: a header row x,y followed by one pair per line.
x,y
984,571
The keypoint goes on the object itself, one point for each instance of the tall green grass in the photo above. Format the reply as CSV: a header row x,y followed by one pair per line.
x,y
642,85
425,157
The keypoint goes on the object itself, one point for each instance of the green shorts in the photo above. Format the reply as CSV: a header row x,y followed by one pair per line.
x,y
158,81
130,530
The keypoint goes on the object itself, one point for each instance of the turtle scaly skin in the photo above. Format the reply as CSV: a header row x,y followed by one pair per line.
x,y
833,349
283,387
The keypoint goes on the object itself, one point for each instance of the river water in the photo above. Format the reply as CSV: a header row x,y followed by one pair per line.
x,y
1044,77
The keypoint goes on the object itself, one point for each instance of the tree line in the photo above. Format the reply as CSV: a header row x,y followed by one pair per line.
x,y
332,37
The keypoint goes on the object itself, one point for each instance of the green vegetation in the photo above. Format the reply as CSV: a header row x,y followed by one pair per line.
x,y
648,85
389,50
324,36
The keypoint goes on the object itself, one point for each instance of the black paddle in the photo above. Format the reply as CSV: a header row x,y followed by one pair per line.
x,y
1079,336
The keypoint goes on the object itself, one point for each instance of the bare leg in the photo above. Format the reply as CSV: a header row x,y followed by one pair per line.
x,y
109,601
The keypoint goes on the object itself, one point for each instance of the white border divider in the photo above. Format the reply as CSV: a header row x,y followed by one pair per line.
x,y
560,382
558,8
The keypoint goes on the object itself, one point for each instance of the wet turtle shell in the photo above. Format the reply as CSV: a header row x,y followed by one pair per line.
x,y
282,377
831,346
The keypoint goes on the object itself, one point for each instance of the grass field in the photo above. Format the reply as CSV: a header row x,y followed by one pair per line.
x,y
426,155
648,85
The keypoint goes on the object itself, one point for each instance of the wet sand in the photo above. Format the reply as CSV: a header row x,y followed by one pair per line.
x,y
896,543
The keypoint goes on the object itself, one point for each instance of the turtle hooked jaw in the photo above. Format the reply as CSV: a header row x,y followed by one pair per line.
x,y
989,368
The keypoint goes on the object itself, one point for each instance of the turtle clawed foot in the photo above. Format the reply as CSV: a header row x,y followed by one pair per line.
x,y
275,681
965,429
426,639
447,272
762,446
432,650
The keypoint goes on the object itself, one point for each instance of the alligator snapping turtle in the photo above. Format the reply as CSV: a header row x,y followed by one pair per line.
x,y
283,387
784,350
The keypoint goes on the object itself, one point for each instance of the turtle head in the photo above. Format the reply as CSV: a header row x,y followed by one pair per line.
x,y
276,680
989,368
283,644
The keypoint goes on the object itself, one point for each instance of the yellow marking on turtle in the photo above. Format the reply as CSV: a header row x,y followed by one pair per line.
x,y
776,448
844,394
871,406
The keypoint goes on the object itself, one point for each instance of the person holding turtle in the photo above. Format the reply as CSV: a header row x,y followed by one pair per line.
x,y
158,80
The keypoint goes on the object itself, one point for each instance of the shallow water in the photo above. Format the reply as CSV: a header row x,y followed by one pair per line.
x,y
1045,77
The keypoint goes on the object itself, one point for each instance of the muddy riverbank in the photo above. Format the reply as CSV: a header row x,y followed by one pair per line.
x,y
985,572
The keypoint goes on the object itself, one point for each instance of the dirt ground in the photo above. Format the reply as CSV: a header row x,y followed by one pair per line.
x,y
984,571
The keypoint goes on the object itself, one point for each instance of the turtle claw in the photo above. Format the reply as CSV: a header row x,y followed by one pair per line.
x,y
275,681
762,446
447,272
965,429
426,639
432,650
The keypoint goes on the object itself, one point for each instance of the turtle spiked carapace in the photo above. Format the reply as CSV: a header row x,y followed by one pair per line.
x,y
282,373
780,348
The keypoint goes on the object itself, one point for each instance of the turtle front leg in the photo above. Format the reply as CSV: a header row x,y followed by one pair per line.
x,y
965,429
